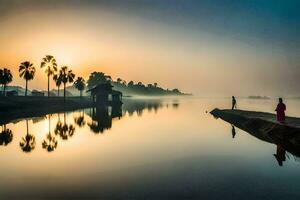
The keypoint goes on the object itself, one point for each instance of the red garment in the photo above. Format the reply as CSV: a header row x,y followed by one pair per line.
x,y
280,112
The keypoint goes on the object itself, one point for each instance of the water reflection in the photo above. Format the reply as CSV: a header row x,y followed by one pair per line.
x,y
80,121
6,136
233,132
50,142
98,119
286,141
27,143
138,106
102,117
280,155
64,130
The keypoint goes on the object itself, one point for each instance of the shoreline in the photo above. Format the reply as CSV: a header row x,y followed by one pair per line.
x,y
20,107
13,108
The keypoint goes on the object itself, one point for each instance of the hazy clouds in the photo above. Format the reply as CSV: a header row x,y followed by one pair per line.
x,y
207,46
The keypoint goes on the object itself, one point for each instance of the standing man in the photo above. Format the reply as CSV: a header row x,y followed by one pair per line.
x,y
233,103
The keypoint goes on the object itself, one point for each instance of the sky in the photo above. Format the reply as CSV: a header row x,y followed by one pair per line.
x,y
206,47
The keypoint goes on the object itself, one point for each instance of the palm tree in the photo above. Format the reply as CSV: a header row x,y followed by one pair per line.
x,y
80,85
51,67
58,81
67,76
27,72
5,78
27,143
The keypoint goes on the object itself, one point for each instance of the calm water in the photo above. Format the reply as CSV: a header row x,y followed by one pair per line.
x,y
151,149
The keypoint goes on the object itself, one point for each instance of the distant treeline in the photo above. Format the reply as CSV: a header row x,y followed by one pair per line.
x,y
130,88
258,97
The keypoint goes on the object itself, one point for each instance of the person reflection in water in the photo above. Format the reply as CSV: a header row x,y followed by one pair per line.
x,y
233,131
280,109
233,103
280,155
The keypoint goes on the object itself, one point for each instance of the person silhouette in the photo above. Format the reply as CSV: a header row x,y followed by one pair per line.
x,y
233,103
280,110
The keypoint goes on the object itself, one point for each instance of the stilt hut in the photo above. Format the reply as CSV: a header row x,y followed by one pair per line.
x,y
104,95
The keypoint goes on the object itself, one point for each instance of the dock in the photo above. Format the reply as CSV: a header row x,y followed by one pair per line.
x,y
265,127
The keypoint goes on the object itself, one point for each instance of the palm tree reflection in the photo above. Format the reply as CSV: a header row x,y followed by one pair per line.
x,y
50,143
6,136
80,121
64,130
27,143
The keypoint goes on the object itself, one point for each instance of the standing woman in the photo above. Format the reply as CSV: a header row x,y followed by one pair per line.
x,y
280,109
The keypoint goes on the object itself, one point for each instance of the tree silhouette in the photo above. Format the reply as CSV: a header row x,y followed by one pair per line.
x,y
119,80
138,88
50,143
5,78
80,85
67,76
96,78
58,81
27,72
130,84
6,136
49,63
27,143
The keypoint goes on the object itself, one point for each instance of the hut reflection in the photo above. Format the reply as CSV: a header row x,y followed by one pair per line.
x,y
102,117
